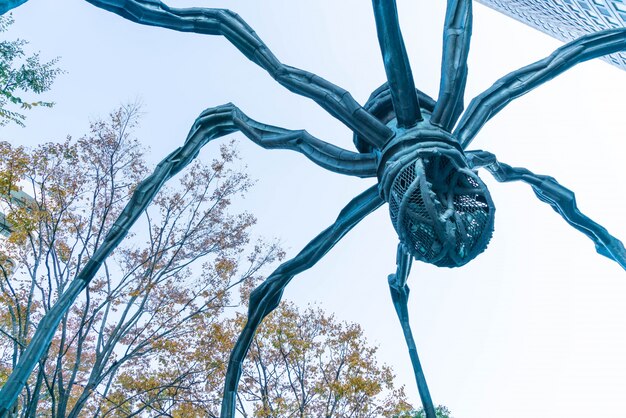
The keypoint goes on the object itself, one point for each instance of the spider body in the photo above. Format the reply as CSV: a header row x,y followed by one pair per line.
x,y
440,208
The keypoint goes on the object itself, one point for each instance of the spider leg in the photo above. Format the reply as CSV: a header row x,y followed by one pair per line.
x,y
562,200
212,123
8,5
229,118
266,297
400,296
397,66
484,106
335,100
456,44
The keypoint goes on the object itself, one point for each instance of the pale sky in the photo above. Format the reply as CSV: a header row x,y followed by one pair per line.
x,y
535,326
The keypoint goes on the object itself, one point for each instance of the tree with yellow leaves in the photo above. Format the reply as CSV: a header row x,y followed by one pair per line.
x,y
309,364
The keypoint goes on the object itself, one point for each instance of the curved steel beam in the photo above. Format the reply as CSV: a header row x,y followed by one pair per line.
x,y
321,153
562,200
335,100
266,297
484,106
457,33
8,5
397,66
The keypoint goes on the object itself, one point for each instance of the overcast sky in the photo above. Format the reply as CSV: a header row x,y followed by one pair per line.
x,y
535,326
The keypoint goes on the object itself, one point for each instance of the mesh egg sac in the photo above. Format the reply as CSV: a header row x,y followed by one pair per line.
x,y
442,212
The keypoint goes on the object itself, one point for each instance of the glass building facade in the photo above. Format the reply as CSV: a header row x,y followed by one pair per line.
x,y
567,19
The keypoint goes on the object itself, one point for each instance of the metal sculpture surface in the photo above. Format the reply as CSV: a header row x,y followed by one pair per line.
x,y
415,146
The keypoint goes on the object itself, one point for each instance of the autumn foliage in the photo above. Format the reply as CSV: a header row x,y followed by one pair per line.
x,y
308,364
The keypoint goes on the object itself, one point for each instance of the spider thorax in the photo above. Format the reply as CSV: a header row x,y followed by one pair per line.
x,y
440,208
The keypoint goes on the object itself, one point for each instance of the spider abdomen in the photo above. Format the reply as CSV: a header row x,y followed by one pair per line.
x,y
440,208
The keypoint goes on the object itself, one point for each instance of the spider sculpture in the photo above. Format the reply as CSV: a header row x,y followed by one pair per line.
x,y
415,146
